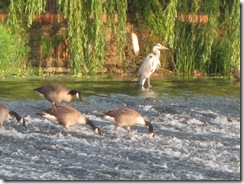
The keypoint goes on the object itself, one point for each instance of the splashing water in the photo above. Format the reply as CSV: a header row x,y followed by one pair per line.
x,y
197,137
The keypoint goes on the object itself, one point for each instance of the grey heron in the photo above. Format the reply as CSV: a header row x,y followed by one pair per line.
x,y
150,64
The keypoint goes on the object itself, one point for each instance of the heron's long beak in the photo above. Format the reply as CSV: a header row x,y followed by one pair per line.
x,y
164,48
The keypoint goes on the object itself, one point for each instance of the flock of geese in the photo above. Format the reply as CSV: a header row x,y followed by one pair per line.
x,y
69,116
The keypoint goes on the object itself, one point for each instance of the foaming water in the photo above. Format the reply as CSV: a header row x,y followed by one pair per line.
x,y
191,142
197,137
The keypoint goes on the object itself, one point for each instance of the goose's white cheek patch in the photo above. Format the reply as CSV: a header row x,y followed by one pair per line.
x,y
41,95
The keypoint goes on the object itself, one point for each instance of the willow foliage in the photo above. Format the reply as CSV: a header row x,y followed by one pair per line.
x,y
86,31
170,14
85,36
22,13
210,46
120,7
83,23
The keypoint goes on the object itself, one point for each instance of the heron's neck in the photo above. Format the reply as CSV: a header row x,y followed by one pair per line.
x,y
156,52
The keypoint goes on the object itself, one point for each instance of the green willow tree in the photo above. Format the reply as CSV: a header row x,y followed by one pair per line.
x,y
85,33
85,27
211,46
22,12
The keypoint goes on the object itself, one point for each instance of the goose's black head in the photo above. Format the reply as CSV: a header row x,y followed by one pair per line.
x,y
76,93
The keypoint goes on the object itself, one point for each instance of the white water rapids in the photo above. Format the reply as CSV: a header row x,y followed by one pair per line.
x,y
196,138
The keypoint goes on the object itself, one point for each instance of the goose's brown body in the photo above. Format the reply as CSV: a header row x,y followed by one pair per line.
x,y
57,93
68,116
127,117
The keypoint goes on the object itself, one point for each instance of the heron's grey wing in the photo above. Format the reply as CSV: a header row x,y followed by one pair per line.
x,y
146,67
156,64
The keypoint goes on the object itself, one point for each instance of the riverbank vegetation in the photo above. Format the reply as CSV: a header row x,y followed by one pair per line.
x,y
202,36
13,53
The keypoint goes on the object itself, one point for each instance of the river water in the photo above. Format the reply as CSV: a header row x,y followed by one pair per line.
x,y
196,124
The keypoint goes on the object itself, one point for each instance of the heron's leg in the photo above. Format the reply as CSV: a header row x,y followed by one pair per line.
x,y
142,88
142,82
148,82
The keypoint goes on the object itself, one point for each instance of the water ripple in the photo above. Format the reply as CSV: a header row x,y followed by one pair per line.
x,y
196,138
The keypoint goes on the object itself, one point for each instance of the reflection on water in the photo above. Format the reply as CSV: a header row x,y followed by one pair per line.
x,y
23,89
147,92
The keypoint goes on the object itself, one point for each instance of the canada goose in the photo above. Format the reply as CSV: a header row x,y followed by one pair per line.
x,y
5,115
127,117
57,93
68,116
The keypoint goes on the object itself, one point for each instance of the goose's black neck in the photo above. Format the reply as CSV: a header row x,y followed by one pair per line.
x,y
149,124
18,118
89,122
94,127
13,113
